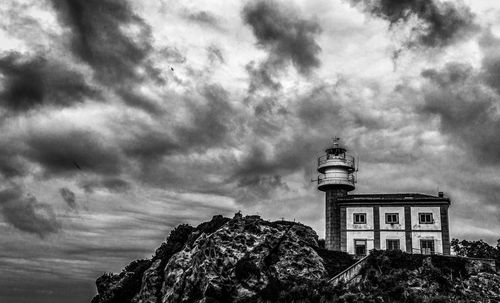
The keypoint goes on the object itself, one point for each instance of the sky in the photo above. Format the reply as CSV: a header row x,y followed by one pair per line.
x,y
120,120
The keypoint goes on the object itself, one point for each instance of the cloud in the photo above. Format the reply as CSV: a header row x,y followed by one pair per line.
x,y
203,18
440,23
27,214
112,184
135,98
208,122
107,35
11,163
466,101
146,143
211,120
490,45
262,76
215,54
286,37
169,152
173,55
33,82
68,197
466,110
258,188
71,151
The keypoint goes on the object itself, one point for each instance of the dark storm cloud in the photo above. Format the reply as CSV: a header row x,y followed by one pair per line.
x,y
156,149
209,123
259,187
98,36
466,100
211,119
441,23
149,144
32,82
11,164
73,151
259,173
286,37
138,100
25,213
320,106
466,108
68,196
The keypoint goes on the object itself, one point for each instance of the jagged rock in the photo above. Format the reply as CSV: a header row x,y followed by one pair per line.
x,y
238,260
151,283
113,288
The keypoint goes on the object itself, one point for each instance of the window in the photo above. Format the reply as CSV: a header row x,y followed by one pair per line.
x,y
427,247
392,218
393,244
425,218
359,218
360,247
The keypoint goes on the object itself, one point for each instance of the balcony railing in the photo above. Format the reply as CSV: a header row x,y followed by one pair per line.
x,y
336,180
346,159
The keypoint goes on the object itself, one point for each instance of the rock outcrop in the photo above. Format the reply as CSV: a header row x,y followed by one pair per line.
x,y
247,259
244,259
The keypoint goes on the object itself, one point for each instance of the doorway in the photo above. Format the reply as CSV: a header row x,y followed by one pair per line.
x,y
360,247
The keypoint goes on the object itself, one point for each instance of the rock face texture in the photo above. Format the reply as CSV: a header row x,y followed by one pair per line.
x,y
247,259
244,259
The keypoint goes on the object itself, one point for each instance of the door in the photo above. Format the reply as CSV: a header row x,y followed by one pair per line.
x,y
427,247
360,247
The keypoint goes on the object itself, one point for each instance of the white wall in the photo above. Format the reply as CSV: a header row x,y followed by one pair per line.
x,y
398,210
336,172
384,235
427,235
436,215
350,211
360,235
420,231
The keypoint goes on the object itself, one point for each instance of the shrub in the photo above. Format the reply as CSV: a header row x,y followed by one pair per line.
x,y
175,241
439,299
212,225
272,290
447,265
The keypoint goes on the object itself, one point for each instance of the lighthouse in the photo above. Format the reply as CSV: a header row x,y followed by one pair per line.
x,y
358,223
336,178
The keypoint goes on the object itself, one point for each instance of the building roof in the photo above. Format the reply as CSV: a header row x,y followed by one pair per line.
x,y
399,198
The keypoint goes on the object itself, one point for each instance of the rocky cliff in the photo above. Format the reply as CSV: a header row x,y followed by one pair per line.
x,y
247,259
243,259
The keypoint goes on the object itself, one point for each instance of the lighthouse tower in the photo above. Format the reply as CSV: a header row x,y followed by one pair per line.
x,y
336,177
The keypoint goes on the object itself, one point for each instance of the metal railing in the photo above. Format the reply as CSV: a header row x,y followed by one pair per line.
x,y
349,273
336,180
347,159
425,251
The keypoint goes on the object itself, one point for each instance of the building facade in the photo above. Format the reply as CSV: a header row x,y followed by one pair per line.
x,y
357,223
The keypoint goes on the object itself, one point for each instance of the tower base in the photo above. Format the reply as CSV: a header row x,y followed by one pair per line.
x,y
332,230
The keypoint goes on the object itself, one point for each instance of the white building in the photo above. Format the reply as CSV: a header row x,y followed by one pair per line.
x,y
357,223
